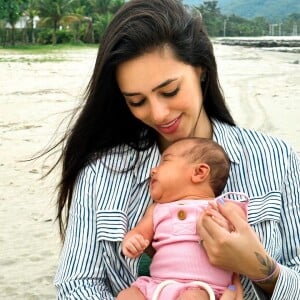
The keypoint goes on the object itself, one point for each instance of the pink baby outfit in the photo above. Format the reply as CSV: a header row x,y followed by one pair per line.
x,y
179,256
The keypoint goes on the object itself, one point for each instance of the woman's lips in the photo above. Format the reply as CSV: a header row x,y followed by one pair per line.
x,y
170,127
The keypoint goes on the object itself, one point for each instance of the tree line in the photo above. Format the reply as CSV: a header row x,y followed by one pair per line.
x,y
218,24
83,21
55,21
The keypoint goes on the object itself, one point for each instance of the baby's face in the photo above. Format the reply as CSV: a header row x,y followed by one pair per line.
x,y
171,178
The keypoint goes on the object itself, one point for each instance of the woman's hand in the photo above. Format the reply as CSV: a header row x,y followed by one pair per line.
x,y
234,291
240,250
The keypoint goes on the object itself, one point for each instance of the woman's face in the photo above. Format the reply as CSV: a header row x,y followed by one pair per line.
x,y
163,93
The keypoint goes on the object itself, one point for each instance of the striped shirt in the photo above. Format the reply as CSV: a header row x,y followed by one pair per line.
x,y
107,203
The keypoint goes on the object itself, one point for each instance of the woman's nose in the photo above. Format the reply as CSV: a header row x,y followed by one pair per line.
x,y
159,111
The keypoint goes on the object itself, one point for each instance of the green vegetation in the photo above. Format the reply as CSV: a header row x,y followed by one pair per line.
x,y
53,22
218,24
274,11
46,49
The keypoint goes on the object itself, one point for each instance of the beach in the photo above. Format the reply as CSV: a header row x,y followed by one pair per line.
x,y
37,94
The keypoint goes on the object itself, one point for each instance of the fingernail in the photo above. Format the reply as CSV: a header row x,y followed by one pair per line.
x,y
232,287
221,201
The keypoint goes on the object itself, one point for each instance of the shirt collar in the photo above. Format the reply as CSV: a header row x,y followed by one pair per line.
x,y
227,136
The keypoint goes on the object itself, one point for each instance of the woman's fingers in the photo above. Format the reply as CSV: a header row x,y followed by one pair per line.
x,y
218,218
230,293
230,250
209,230
212,226
239,288
234,291
232,212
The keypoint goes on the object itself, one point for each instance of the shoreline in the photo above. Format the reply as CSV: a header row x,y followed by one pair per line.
x,y
274,43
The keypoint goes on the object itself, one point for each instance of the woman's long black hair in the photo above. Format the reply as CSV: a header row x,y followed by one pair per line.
x,y
105,120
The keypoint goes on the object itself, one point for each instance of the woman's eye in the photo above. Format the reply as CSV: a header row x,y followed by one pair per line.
x,y
172,93
136,104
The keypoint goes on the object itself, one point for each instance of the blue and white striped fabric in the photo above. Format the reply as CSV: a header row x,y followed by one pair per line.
x,y
106,203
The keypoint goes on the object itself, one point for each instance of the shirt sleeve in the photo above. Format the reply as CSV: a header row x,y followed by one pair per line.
x,y
288,283
81,273
110,196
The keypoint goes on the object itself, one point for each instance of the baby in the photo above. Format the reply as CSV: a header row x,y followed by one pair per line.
x,y
191,173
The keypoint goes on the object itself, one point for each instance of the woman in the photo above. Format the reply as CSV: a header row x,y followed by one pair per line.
x,y
155,81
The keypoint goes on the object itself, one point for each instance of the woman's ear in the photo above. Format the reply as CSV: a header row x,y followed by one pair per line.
x,y
202,73
200,173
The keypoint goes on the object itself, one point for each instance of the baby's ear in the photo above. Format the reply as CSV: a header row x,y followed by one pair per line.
x,y
200,172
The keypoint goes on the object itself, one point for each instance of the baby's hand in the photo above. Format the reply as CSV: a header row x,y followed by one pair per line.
x,y
134,245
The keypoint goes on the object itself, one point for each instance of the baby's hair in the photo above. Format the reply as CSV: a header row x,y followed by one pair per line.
x,y
209,152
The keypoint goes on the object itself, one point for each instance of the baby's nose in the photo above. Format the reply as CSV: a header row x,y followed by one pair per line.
x,y
152,172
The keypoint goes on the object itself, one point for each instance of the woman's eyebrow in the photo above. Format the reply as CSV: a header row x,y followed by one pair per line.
x,y
165,83
168,81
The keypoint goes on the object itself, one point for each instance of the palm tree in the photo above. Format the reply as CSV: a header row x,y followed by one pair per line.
x,y
102,13
56,13
101,22
11,12
100,6
31,12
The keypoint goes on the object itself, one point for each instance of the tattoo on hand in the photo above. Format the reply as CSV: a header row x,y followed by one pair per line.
x,y
268,268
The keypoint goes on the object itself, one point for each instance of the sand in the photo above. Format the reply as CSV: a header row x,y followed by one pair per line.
x,y
36,93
